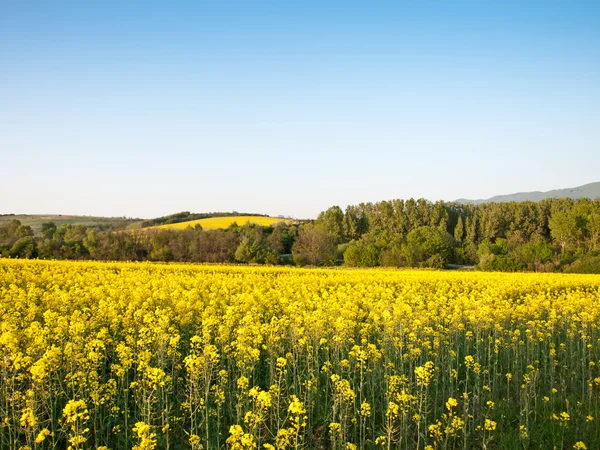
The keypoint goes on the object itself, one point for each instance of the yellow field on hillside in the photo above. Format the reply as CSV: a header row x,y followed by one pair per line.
x,y
154,356
224,222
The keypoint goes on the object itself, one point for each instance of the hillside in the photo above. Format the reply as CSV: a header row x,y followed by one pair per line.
x,y
35,221
224,222
591,190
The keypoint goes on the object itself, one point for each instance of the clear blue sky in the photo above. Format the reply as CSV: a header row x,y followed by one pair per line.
x,y
143,109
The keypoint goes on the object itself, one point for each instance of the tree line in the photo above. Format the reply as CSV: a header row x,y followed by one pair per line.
x,y
550,235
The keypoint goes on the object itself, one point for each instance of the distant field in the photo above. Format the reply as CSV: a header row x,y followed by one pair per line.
x,y
224,222
35,221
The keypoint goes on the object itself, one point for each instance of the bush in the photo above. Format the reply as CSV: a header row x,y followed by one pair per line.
x,y
586,264
534,254
499,263
425,242
362,253
395,255
24,248
465,254
435,262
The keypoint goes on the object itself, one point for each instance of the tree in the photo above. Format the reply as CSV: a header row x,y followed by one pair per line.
x,y
439,216
332,222
9,229
534,254
282,237
594,230
355,223
24,248
161,250
362,253
563,229
459,231
48,229
256,249
395,254
426,242
314,246
472,236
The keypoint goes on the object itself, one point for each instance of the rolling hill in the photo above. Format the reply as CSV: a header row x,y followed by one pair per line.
x,y
35,221
591,190
224,222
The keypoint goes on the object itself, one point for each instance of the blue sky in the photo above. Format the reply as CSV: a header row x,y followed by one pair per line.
x,y
142,109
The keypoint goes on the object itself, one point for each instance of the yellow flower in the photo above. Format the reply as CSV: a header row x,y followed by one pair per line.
x,y
490,425
242,383
451,403
42,435
335,427
365,409
281,363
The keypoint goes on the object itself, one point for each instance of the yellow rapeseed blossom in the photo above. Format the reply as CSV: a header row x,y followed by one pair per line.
x,y
152,355
451,403
490,425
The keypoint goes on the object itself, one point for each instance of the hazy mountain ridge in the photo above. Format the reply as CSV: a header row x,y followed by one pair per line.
x,y
590,190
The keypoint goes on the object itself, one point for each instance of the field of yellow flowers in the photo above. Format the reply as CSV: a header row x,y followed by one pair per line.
x,y
142,355
212,223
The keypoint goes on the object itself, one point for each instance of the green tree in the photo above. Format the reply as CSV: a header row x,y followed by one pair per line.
x,y
593,226
256,249
48,229
24,247
362,253
534,254
332,222
355,223
472,236
161,250
282,238
425,242
395,254
564,229
459,230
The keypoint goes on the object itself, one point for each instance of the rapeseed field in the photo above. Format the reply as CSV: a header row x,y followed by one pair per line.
x,y
212,223
143,356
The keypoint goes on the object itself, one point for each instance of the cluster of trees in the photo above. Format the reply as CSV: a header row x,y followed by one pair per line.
x,y
249,243
550,235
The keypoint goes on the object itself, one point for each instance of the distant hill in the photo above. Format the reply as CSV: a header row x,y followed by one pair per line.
x,y
180,220
186,216
35,221
224,222
591,190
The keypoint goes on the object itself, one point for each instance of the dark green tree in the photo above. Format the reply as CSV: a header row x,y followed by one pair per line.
x,y
48,229
426,242
332,222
